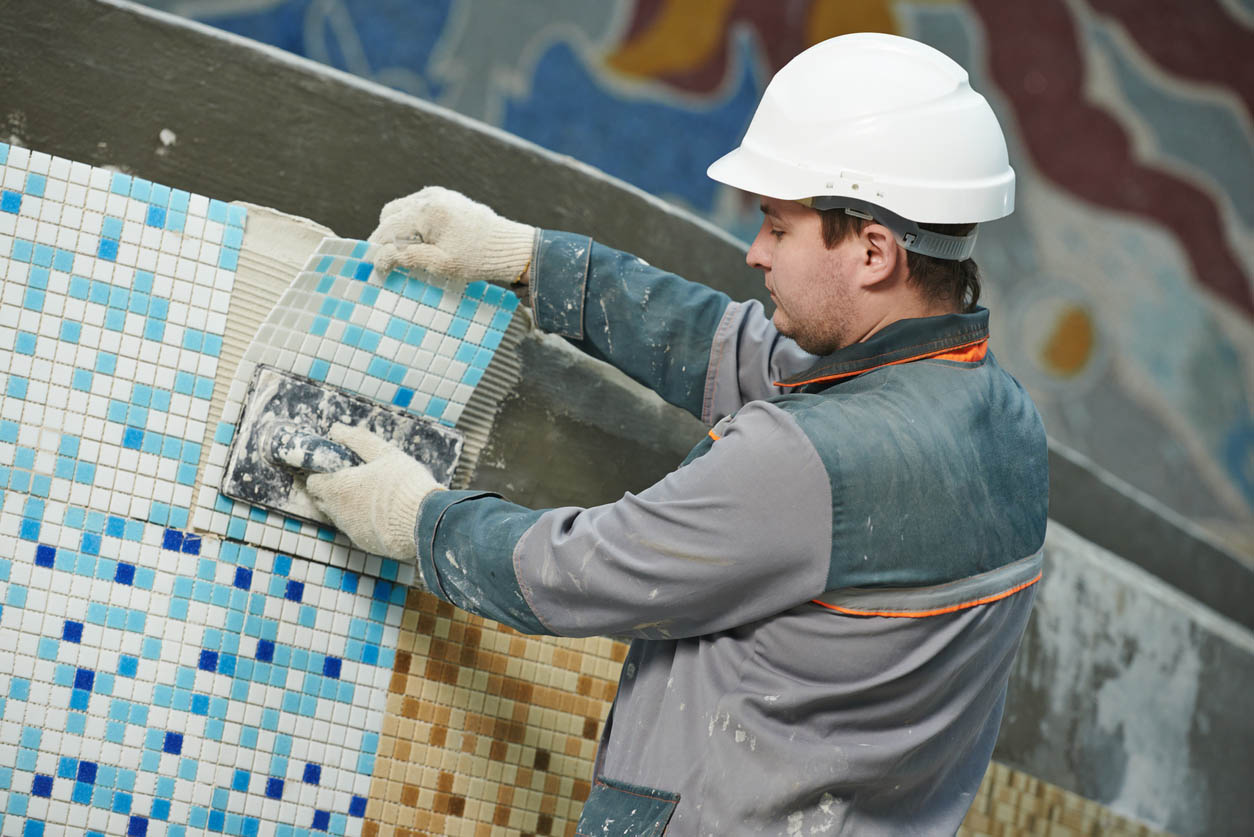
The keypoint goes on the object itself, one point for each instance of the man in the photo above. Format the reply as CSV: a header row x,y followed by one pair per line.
x,y
827,595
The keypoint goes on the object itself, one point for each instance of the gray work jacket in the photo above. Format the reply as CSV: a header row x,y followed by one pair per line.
x,y
825,597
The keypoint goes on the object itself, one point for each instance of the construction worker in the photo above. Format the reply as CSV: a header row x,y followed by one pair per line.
x,y
827,594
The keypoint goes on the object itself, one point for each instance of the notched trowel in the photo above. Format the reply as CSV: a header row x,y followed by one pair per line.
x,y
281,435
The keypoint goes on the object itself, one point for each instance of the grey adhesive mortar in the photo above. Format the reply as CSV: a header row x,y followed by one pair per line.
x,y
276,245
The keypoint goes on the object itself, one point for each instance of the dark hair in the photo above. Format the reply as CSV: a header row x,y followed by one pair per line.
x,y
941,280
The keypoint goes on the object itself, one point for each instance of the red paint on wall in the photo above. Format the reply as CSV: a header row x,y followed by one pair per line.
x,y
1035,57
1194,39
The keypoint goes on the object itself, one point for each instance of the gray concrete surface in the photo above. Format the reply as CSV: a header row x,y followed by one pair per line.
x,y
1133,694
1127,690
1118,516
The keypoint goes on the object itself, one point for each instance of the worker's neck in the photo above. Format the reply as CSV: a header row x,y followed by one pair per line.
x,y
881,313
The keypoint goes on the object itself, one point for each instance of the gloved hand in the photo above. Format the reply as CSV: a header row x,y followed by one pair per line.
x,y
447,233
375,504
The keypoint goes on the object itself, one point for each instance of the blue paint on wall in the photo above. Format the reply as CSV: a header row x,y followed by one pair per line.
x,y
383,34
1238,456
664,149
655,139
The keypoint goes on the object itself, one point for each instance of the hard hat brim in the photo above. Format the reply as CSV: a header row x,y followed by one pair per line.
x,y
925,202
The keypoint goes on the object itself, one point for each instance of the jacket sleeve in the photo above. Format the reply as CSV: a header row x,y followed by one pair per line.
x,y
692,345
739,533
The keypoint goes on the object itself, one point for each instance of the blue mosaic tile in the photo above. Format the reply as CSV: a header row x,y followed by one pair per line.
x,y
114,297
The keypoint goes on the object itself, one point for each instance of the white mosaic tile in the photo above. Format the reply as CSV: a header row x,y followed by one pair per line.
x,y
109,335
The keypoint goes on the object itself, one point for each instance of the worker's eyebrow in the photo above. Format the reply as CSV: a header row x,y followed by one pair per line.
x,y
767,210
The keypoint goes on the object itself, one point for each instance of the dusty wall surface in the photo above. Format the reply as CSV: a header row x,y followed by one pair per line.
x,y
1121,289
1079,682
1130,690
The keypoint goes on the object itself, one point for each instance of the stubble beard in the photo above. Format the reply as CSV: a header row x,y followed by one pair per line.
x,y
824,333
821,345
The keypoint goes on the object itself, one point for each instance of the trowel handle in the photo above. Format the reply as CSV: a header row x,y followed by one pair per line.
x,y
288,445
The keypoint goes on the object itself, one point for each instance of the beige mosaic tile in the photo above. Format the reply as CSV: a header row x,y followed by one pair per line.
x,y
487,732
1013,803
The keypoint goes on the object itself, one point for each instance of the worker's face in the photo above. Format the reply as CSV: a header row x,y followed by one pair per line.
x,y
809,284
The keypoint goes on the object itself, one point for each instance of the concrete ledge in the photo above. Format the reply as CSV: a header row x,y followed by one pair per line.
x,y
1129,693
1117,516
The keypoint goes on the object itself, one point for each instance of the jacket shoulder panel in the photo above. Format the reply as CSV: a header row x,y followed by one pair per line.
x,y
937,472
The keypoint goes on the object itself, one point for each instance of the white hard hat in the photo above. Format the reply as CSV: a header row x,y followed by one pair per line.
x,y
872,121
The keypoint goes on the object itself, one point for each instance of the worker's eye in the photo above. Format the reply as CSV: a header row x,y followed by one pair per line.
x,y
777,233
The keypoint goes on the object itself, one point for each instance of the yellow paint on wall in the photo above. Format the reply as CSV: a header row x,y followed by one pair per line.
x,y
1069,347
829,19
682,38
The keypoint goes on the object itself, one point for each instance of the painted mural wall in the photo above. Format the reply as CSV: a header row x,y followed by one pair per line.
x,y
1121,288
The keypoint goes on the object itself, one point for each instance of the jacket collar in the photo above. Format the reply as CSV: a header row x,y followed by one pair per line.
x,y
950,336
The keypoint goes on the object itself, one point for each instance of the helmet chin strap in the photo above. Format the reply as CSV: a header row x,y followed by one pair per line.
x,y
908,234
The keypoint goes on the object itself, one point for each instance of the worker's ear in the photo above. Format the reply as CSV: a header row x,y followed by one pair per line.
x,y
880,256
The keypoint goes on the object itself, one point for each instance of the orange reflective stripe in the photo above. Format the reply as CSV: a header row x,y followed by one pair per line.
x,y
970,354
919,614
967,353
715,436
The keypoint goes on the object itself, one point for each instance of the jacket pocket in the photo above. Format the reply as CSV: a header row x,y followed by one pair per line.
x,y
617,809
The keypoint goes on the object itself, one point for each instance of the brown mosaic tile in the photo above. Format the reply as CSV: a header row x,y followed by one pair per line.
x,y
486,729
1010,803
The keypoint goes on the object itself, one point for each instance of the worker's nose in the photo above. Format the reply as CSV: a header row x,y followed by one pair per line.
x,y
759,253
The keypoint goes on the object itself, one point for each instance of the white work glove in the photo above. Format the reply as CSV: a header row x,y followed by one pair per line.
x,y
447,233
375,504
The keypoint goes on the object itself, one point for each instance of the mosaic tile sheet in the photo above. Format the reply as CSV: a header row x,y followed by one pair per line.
x,y
156,683
153,681
111,319
488,731
417,342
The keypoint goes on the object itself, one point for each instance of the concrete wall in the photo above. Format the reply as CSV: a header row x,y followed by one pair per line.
x,y
1132,694
1126,691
